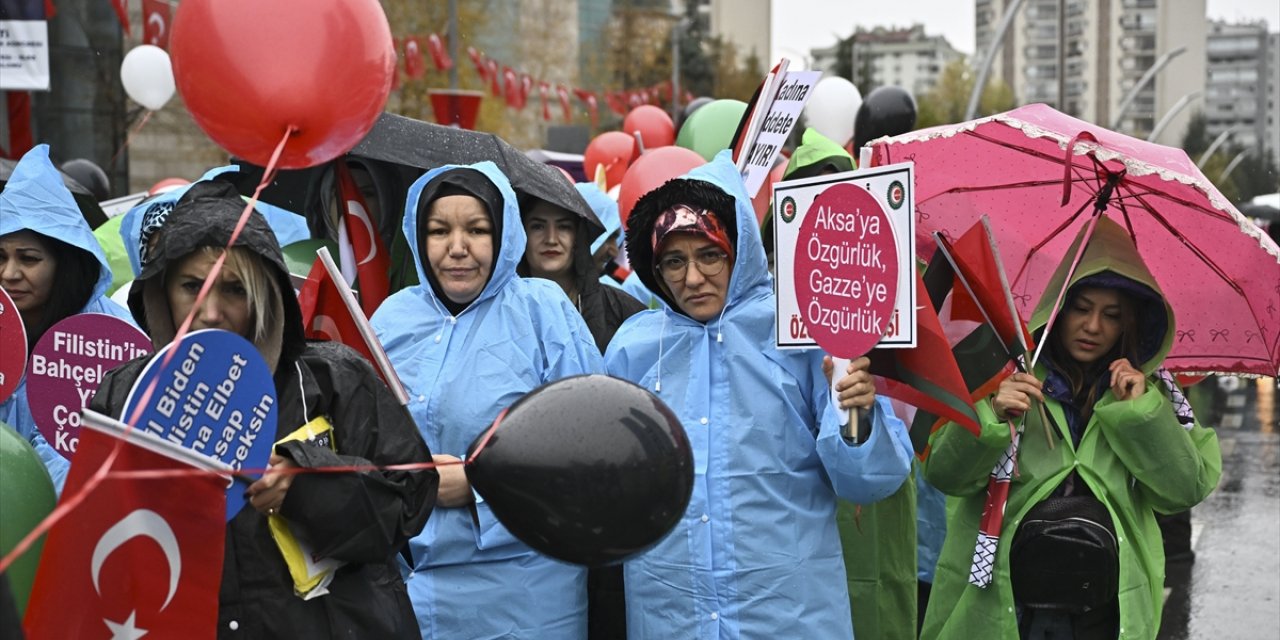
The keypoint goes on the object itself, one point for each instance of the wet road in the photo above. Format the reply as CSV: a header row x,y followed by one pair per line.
x,y
1232,588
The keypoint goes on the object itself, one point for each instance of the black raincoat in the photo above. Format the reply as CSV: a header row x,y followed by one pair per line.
x,y
361,518
603,308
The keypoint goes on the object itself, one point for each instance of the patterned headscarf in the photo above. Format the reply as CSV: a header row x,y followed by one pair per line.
x,y
690,219
152,219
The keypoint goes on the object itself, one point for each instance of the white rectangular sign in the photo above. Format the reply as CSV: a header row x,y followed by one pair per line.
x,y
24,55
779,120
893,188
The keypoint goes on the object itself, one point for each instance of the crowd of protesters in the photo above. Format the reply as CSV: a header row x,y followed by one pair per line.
x,y
514,292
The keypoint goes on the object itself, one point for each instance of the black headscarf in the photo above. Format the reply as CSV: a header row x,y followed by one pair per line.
x,y
462,181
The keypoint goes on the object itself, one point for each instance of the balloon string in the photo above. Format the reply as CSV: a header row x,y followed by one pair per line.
x,y
71,502
487,436
129,138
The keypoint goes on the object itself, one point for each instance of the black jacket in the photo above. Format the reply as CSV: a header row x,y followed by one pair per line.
x,y
603,308
362,518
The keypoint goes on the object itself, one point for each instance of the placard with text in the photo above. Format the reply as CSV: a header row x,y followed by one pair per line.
x,y
845,257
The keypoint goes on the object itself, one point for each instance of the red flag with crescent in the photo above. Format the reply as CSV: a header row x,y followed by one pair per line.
x,y
156,18
543,89
511,88
414,65
139,556
439,57
373,264
477,59
565,105
325,316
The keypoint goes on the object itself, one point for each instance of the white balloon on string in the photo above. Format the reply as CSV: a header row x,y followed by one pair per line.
x,y
147,76
832,108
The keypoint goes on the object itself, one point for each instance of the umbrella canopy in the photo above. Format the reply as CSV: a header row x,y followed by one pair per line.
x,y
1040,175
401,144
84,198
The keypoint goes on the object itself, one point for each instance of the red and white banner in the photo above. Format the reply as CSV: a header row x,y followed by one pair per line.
x,y
137,556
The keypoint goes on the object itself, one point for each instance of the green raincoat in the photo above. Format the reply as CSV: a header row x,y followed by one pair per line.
x,y
1134,455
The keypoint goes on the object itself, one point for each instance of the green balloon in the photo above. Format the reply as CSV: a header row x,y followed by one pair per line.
x,y
300,255
27,496
710,129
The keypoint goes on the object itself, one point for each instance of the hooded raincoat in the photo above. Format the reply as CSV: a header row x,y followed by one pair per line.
x,y
1133,455
603,308
468,576
361,518
35,199
756,554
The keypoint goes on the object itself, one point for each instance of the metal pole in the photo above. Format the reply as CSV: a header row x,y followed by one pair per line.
x,y
453,43
1213,146
1062,56
675,69
1173,111
1231,166
985,69
1142,82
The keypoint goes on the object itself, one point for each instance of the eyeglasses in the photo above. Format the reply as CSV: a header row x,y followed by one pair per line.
x,y
710,263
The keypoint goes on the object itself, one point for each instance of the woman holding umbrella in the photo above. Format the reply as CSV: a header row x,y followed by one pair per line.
x,y
468,342
1081,556
52,267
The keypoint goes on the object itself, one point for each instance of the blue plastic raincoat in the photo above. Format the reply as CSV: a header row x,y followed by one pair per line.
x,y
757,554
470,578
35,199
288,226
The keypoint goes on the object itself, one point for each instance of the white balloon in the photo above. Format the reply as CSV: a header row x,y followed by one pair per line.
x,y
832,108
147,76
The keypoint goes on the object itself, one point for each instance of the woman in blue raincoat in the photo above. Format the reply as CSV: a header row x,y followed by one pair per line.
x,y
52,267
757,553
468,342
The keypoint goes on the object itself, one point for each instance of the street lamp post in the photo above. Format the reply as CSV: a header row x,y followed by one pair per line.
x,y
976,95
1173,111
1231,166
1142,82
1213,146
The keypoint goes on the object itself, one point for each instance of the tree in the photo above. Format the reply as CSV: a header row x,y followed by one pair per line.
x,y
947,101
1255,173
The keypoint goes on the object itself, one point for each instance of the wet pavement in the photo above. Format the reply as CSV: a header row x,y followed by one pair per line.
x,y
1231,589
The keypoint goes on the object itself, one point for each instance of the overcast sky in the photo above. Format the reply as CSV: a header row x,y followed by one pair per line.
x,y
800,25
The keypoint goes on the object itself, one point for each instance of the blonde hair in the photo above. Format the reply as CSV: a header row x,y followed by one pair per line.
x,y
260,290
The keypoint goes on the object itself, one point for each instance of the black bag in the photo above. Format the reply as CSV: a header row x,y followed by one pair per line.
x,y
1064,555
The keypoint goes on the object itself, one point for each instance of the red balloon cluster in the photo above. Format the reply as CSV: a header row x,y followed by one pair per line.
x,y
249,70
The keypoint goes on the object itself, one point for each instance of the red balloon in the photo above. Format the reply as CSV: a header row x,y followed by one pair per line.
x,y
765,195
248,70
614,151
655,126
651,171
168,184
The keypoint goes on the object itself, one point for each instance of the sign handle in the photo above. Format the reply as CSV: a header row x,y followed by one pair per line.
x,y
848,417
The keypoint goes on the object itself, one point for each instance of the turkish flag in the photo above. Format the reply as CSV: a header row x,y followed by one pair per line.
x,y
511,88
543,88
495,86
593,107
414,66
439,56
325,316
565,105
373,264
157,17
138,555
477,59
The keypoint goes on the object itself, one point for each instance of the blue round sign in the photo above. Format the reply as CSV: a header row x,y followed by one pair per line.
x,y
215,397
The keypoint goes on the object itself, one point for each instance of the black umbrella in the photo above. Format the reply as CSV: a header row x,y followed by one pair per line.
x,y
408,147
85,199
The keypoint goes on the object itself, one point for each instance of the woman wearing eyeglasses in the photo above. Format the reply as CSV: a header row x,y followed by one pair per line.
x,y
757,554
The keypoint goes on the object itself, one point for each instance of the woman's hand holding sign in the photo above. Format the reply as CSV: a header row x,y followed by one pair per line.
x,y
856,389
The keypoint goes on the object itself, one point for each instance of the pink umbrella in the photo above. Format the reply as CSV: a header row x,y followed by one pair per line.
x,y
1040,175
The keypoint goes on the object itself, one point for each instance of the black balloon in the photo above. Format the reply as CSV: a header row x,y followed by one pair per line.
x,y
694,105
886,111
90,176
588,469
